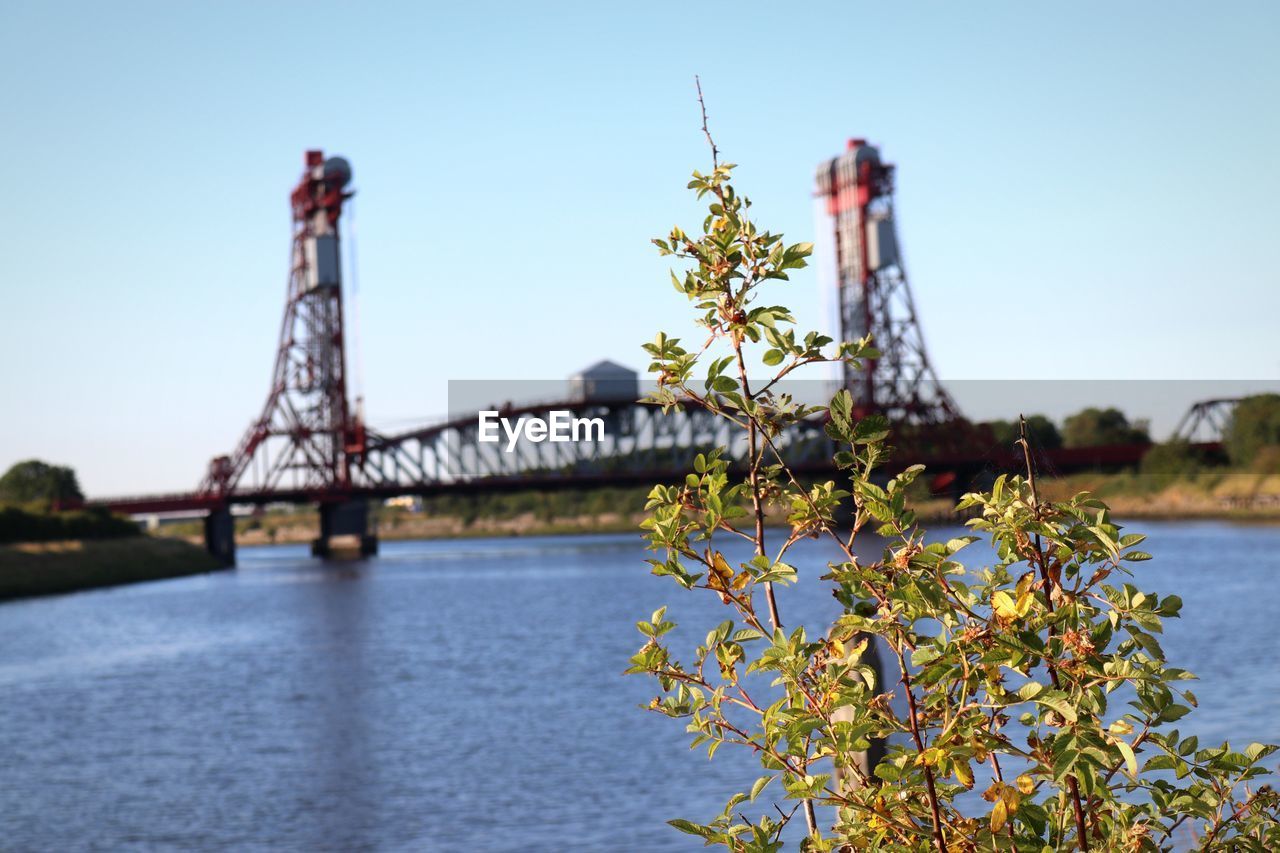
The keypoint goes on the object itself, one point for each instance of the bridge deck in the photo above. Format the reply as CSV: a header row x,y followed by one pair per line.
x,y
1058,461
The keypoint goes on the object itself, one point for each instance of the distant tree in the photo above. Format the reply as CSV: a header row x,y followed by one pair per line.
x,y
1255,424
1042,432
34,481
1095,427
1173,460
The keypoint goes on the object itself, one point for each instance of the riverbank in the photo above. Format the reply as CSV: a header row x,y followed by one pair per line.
x,y
45,568
302,527
1212,494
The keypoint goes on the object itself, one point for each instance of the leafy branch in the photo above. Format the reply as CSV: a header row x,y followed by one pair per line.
x,y
1008,672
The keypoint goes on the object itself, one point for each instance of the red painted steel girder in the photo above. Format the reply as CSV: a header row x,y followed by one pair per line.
x,y
307,436
1000,460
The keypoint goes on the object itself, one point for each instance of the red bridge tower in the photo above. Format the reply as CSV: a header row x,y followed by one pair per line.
x,y
308,437
874,296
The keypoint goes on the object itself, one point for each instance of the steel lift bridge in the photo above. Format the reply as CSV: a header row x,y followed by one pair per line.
x,y
874,297
310,444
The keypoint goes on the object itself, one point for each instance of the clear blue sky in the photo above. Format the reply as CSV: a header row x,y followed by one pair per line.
x,y
1085,191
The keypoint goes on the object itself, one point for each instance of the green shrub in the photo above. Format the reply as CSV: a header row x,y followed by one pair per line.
x,y
1093,427
1041,430
1255,424
20,525
1173,460
1014,675
38,482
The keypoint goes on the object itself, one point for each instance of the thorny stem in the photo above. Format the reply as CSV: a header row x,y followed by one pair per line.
x,y
1106,780
1082,826
715,152
1221,824
757,506
934,813
995,768
753,477
930,788
844,546
783,760
753,443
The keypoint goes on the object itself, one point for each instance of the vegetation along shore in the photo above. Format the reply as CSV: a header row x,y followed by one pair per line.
x,y
1212,494
45,549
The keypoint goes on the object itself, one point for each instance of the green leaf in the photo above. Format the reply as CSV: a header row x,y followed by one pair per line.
x,y
1064,761
924,655
870,429
692,828
1058,701
841,408
759,786
1130,760
1030,690
724,385
1254,751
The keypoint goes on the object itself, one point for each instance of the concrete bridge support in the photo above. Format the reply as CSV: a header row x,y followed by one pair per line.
x,y
220,535
348,518
865,762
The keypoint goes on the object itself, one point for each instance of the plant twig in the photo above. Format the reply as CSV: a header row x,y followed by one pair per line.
x,y
756,452
715,152
1073,786
1235,815
931,792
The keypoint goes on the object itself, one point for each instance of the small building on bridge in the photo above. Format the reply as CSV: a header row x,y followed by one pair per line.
x,y
605,382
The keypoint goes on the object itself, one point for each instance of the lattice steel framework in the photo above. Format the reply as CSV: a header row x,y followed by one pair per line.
x,y
309,445
874,296
307,437
638,440
1207,420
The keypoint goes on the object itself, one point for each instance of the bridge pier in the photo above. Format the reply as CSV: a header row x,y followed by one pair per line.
x,y
220,535
348,518
864,761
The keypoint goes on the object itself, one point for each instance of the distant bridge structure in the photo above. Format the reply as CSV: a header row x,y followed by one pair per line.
x,y
310,443
1207,420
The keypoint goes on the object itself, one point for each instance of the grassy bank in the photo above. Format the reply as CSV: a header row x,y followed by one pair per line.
x,y
1208,494
1212,493
44,568
301,527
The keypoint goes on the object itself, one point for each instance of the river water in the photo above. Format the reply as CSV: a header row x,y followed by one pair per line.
x,y
452,695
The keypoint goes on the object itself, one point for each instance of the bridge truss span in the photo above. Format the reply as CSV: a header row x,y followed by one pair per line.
x,y
310,444
636,442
